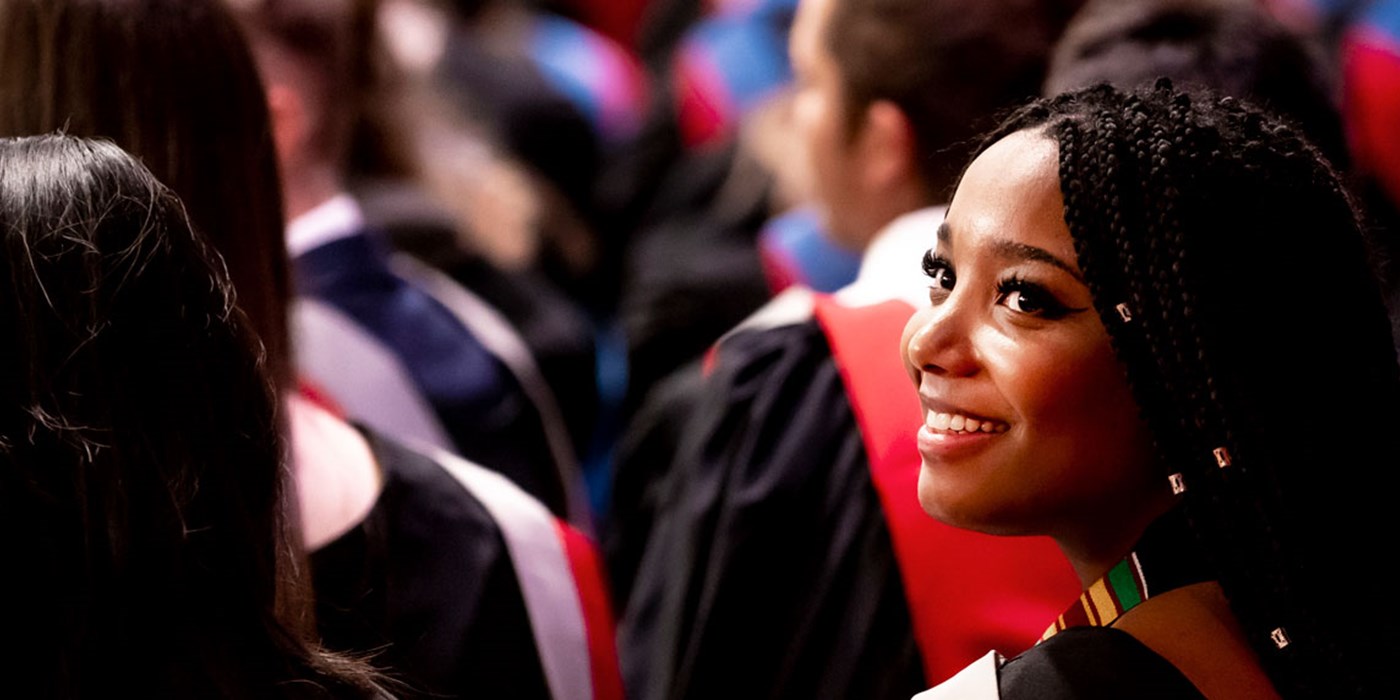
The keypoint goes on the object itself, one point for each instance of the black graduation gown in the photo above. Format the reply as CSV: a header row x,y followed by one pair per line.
x,y
768,569
1093,662
426,585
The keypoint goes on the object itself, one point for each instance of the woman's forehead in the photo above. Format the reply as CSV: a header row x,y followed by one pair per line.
x,y
1011,191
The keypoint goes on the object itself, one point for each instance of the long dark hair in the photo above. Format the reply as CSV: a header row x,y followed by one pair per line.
x,y
141,466
172,82
1226,261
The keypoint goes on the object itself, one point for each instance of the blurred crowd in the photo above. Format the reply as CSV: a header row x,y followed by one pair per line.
x,y
550,296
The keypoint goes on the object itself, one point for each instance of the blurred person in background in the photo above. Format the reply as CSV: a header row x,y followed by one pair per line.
x,y
459,582
1232,47
787,557
142,452
456,352
438,186
693,266
721,229
566,101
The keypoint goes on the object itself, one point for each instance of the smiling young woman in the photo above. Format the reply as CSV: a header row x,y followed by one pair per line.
x,y
1029,425
1105,360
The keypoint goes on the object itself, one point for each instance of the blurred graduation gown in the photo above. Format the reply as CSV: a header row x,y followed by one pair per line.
x,y
477,402
461,585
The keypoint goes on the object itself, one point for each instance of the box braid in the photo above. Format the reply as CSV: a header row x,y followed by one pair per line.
x,y
1254,325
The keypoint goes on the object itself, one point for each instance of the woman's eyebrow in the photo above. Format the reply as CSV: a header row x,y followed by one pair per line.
x,y
1018,251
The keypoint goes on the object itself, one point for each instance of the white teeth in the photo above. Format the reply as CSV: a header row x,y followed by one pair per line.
x,y
958,423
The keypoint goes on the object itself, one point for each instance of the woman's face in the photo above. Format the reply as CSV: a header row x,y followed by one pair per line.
x,y
1029,426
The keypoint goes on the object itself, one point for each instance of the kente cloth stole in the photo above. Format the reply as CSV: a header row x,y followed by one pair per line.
x,y
1163,560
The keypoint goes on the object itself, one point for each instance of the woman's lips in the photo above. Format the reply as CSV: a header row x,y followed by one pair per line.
x,y
950,422
947,435
942,446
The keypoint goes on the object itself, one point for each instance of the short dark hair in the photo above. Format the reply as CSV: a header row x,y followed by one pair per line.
x,y
1193,213
952,67
172,82
140,459
1231,47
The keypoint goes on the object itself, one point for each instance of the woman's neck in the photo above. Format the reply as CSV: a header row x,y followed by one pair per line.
x,y
1093,546
1193,628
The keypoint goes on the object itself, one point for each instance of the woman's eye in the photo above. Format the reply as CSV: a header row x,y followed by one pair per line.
x,y
940,273
942,278
1026,303
1030,299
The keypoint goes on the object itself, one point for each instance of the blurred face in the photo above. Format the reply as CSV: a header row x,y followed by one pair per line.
x,y
1029,426
820,118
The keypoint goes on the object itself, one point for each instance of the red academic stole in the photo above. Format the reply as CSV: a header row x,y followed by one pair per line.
x,y
598,618
967,592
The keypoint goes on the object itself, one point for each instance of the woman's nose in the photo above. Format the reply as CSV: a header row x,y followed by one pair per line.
x,y
939,341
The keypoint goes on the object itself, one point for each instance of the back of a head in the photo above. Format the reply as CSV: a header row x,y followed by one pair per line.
x,y
172,82
1233,47
952,67
139,450
1251,312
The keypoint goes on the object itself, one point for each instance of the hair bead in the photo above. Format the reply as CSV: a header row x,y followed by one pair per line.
x,y
1222,457
1178,483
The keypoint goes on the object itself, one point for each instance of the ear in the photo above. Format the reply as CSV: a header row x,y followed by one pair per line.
x,y
291,124
887,148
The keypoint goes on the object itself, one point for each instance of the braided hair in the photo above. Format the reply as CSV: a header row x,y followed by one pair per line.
x,y
1227,263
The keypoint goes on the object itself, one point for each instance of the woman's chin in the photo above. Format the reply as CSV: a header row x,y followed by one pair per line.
x,y
946,506
943,506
